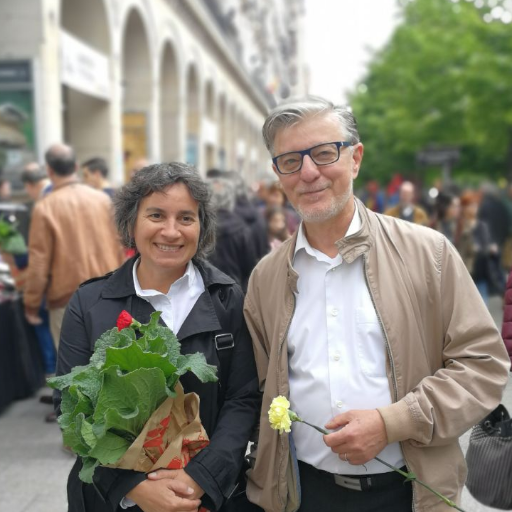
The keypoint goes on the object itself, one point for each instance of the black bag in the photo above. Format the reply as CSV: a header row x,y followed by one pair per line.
x,y
489,460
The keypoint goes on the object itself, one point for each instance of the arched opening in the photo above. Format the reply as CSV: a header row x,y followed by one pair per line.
x,y
211,131
223,150
137,88
85,71
170,107
193,117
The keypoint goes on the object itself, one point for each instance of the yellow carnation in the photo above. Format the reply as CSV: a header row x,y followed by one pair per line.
x,y
278,414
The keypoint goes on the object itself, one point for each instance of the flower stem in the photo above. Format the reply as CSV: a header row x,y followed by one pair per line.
x,y
412,477
408,476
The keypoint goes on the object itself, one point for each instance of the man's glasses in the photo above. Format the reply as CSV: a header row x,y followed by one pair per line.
x,y
323,154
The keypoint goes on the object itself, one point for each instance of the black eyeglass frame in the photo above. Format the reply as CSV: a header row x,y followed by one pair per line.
x,y
304,152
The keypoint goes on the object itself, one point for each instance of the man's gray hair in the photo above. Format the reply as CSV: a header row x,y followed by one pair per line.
x,y
156,178
294,111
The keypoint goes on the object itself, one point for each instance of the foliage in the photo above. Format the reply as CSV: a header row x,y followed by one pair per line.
x,y
442,80
106,403
11,240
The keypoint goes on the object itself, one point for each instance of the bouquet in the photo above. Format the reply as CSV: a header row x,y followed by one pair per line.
x,y
11,240
126,408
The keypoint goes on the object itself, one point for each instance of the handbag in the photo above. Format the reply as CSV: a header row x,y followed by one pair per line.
x,y
489,460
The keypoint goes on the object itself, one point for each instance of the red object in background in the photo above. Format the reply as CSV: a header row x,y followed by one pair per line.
x,y
124,320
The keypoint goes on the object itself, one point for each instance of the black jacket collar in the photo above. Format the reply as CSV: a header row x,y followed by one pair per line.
x,y
202,318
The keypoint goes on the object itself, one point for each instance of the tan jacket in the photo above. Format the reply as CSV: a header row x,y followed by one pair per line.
x,y
447,365
72,238
418,217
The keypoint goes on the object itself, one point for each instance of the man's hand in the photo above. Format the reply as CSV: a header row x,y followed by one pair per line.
x,y
181,476
164,495
362,437
33,319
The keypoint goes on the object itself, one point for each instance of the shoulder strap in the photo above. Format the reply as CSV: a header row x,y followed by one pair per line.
x,y
224,341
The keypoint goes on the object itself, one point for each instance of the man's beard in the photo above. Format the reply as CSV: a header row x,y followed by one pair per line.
x,y
336,206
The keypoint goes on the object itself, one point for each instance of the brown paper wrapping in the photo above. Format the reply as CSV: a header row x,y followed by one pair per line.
x,y
170,438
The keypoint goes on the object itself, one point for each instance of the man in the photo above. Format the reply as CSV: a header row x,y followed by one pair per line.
x,y
35,181
406,209
72,238
365,323
234,252
95,172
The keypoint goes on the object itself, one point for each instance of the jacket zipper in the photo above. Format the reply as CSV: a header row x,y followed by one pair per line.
x,y
390,355
279,381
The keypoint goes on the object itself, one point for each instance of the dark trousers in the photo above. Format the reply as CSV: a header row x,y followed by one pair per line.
x,y
319,492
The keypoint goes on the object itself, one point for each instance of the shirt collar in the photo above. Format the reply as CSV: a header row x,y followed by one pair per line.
x,y
188,278
302,241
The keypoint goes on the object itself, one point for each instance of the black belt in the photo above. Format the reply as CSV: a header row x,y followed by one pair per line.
x,y
358,482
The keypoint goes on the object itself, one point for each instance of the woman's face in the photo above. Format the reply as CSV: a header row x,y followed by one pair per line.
x,y
471,210
167,230
276,223
453,210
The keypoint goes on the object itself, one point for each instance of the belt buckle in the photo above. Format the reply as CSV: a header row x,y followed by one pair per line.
x,y
349,483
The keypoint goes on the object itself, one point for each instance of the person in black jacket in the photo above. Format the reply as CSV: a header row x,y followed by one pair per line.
x,y
235,252
164,212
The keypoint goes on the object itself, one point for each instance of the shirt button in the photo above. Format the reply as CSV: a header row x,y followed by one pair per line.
x,y
336,357
339,404
334,312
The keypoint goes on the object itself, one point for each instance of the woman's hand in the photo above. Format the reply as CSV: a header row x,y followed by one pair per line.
x,y
164,495
180,476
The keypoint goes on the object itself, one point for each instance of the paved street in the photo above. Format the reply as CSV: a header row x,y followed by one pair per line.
x,y
34,466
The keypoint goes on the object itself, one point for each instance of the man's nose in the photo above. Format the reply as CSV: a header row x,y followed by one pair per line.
x,y
309,170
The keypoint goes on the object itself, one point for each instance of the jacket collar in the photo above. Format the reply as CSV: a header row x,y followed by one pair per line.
x,y
202,318
350,248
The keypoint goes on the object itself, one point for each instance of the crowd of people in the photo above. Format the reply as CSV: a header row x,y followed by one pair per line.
x,y
370,325
478,222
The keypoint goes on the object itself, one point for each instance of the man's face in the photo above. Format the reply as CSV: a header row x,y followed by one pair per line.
x,y
407,194
90,177
32,191
318,193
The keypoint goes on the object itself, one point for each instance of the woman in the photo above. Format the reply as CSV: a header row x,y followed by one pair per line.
x,y
165,214
476,247
276,226
447,216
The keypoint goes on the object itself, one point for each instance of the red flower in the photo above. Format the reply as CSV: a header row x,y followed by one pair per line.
x,y
124,320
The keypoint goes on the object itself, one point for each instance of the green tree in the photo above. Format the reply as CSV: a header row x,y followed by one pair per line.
x,y
444,79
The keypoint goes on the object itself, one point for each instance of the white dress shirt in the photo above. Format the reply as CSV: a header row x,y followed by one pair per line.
x,y
337,353
175,307
179,300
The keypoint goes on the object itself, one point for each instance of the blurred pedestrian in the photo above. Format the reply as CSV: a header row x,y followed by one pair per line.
x,y
234,251
37,185
407,209
477,249
506,328
277,197
72,238
446,216
373,197
493,211
277,230
95,172
250,215
35,181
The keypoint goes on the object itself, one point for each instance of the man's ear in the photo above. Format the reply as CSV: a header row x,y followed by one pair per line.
x,y
357,158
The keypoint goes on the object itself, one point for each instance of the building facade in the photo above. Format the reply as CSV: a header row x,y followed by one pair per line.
x,y
165,80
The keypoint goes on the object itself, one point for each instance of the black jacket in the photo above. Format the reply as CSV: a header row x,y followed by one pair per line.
x,y
234,248
228,415
256,223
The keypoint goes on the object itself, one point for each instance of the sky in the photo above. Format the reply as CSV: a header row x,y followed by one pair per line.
x,y
338,34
